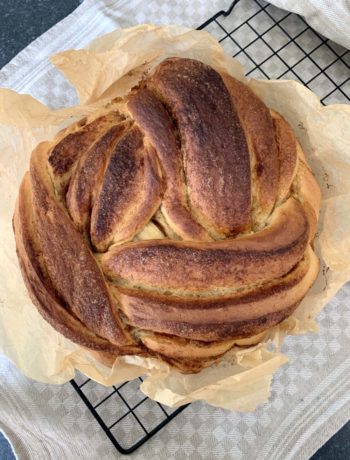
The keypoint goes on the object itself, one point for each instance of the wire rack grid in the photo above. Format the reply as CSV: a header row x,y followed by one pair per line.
x,y
271,43
125,414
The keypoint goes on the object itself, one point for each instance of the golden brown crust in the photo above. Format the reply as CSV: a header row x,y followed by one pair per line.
x,y
240,313
88,174
156,123
309,193
168,264
175,223
70,265
42,293
258,127
214,149
131,186
72,143
287,155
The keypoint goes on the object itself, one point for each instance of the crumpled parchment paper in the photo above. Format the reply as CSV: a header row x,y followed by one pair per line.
x,y
109,67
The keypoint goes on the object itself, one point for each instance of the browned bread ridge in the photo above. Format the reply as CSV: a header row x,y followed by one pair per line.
x,y
175,223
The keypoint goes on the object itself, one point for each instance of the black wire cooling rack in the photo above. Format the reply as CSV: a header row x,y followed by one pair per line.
x,y
124,413
270,43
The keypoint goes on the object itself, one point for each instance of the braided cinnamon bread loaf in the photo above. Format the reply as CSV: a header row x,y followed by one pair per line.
x,y
172,223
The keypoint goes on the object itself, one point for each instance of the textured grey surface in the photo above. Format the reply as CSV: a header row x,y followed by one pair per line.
x,y
24,20
337,448
21,22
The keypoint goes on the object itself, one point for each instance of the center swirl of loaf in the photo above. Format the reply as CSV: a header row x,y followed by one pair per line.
x,y
172,223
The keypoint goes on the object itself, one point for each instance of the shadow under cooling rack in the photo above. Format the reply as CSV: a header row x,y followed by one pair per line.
x,y
271,43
